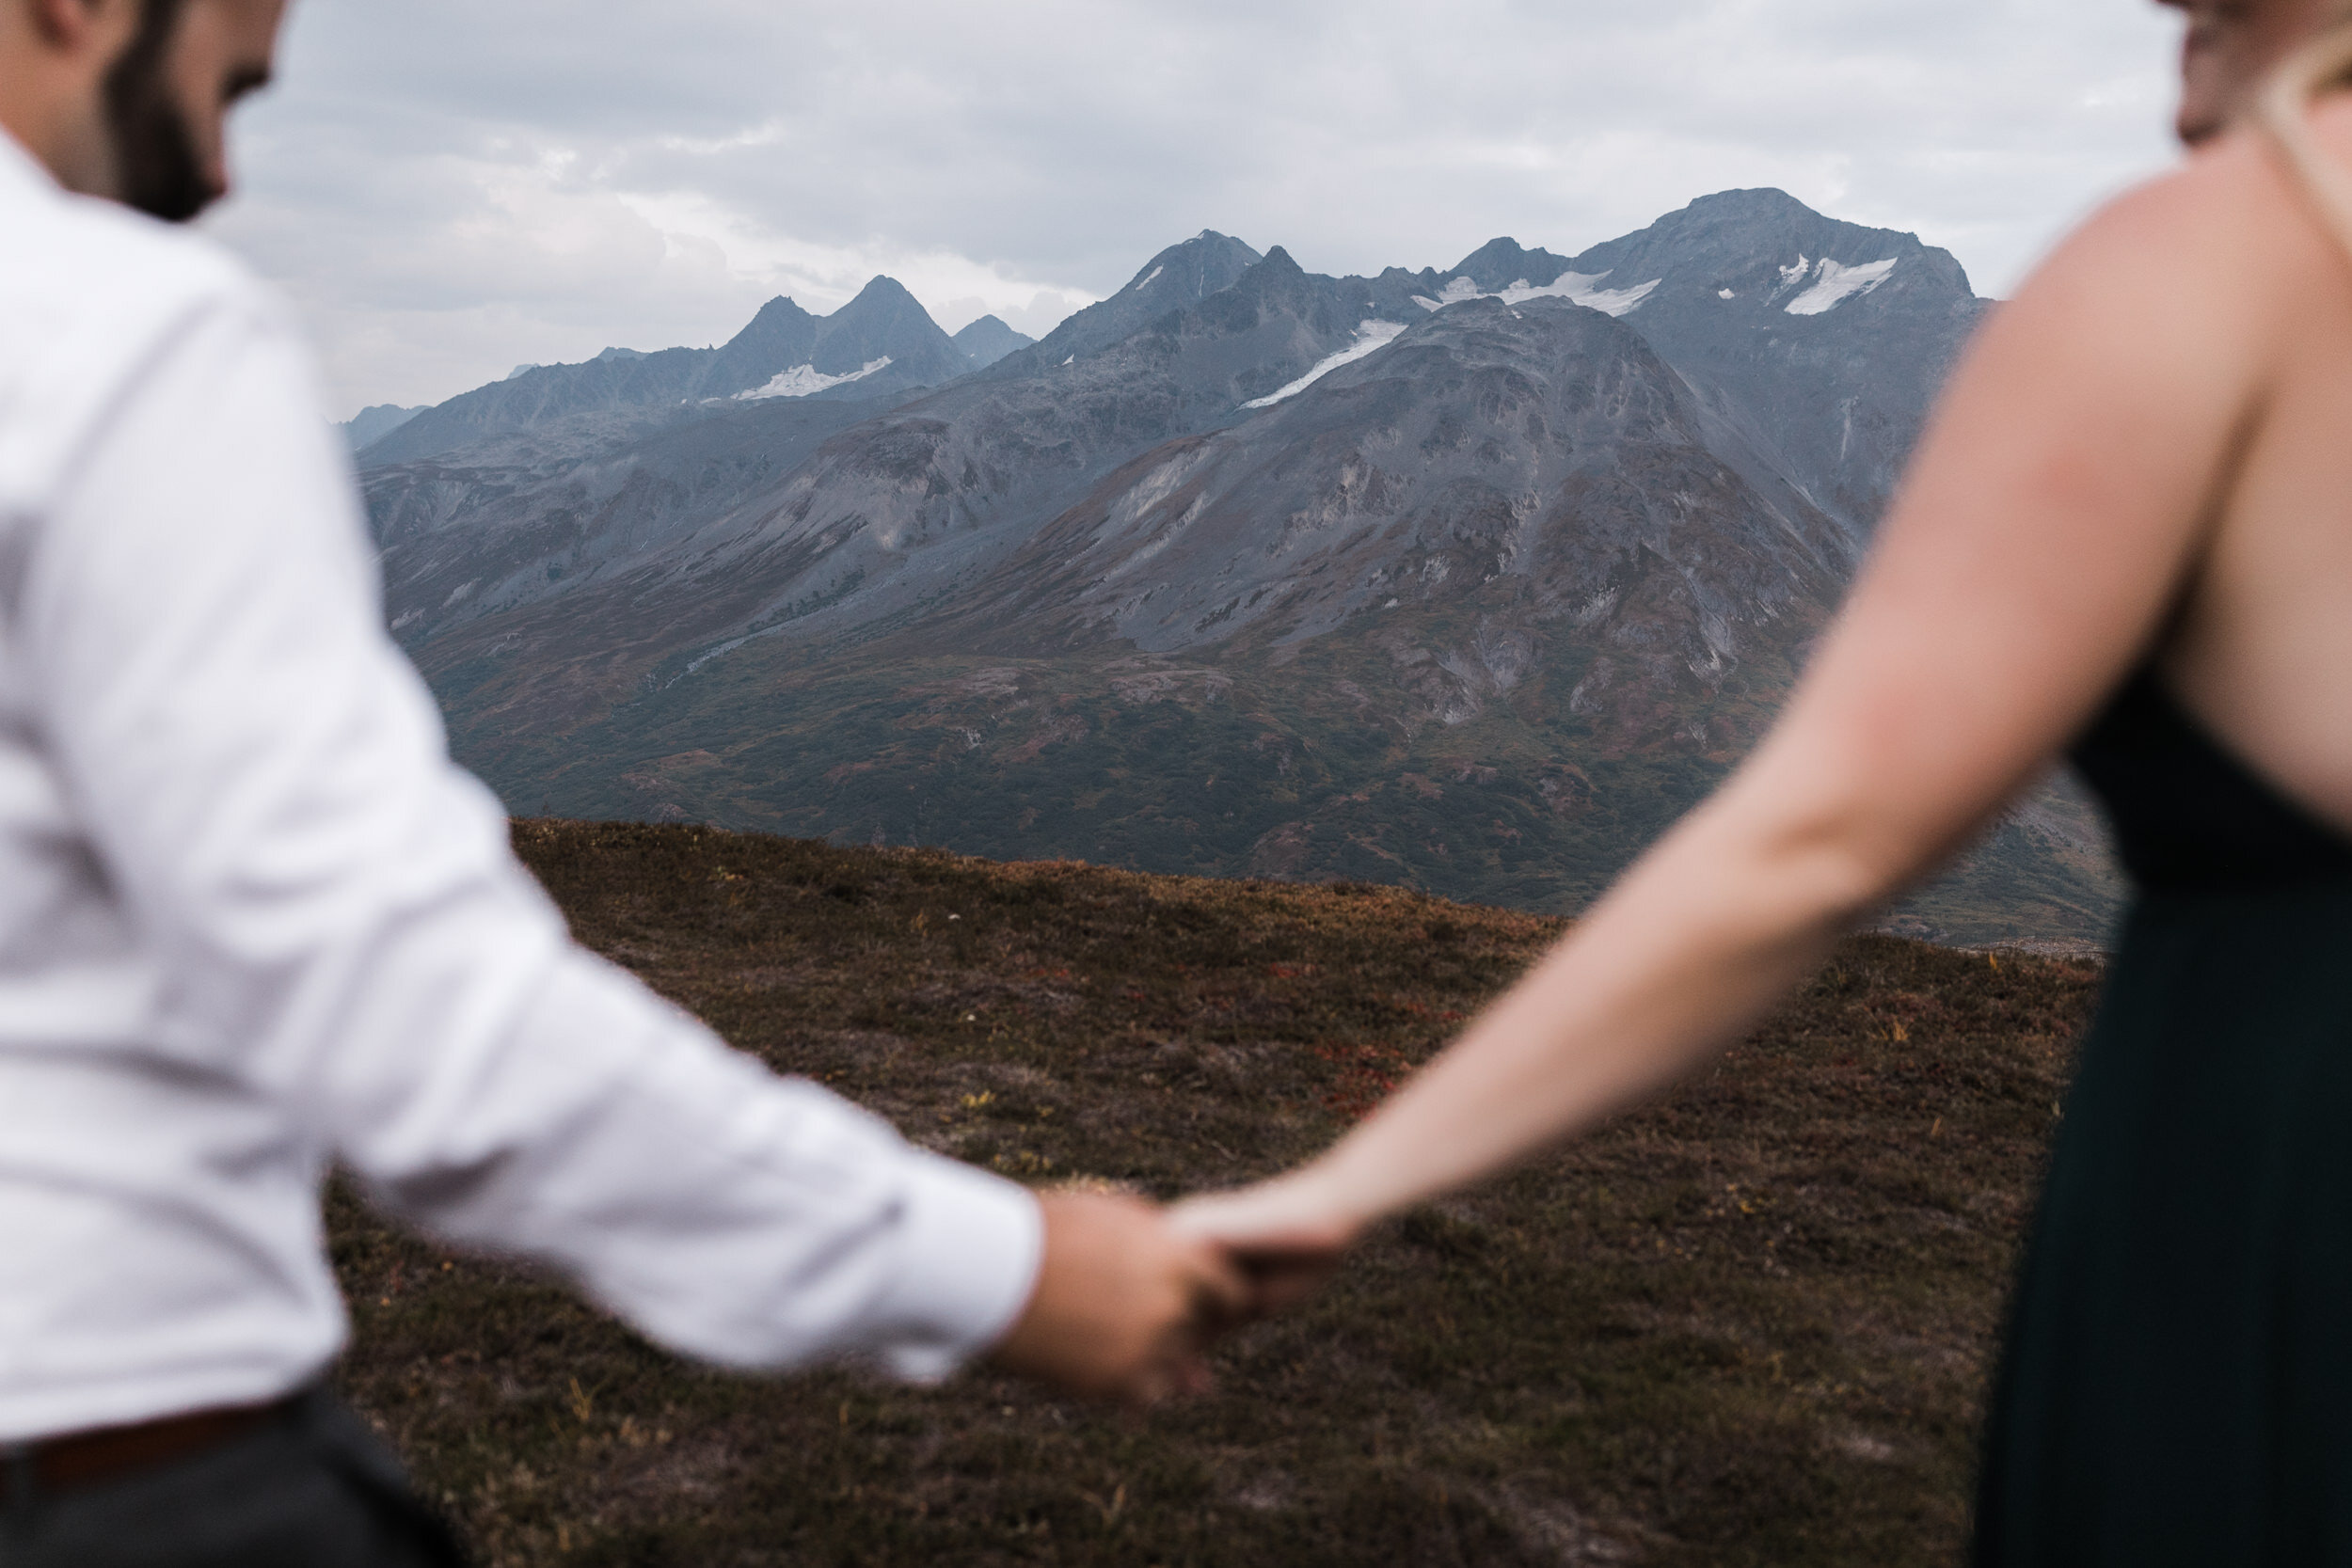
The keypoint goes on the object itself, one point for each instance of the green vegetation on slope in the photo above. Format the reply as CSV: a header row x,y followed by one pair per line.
x,y
1745,1326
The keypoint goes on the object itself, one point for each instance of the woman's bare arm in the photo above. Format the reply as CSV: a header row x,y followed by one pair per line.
x,y
2054,511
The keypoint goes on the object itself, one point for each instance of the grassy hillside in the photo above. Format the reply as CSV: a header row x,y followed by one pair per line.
x,y
1747,1326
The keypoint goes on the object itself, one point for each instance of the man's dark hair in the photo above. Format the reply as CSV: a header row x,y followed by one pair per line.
x,y
160,171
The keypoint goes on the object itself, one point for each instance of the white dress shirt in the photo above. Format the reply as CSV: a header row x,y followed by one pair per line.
x,y
252,920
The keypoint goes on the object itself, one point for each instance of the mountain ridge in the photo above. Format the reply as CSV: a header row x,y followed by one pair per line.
x,y
1466,578
882,344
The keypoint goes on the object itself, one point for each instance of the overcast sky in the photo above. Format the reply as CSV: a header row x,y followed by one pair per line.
x,y
452,187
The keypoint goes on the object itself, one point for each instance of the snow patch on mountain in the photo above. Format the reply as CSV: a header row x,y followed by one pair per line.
x,y
1573,286
1370,337
1834,283
802,381
1145,281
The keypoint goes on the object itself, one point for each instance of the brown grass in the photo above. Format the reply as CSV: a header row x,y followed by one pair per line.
x,y
1746,1325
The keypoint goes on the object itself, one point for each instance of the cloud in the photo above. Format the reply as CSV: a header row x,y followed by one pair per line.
x,y
451,188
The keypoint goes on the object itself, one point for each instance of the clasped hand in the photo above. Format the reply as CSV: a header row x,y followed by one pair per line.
x,y
1130,1296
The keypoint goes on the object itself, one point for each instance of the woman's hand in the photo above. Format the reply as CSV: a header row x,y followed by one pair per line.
x,y
1287,1235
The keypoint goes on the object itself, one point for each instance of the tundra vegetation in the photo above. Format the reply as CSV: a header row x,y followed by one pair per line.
x,y
1747,1324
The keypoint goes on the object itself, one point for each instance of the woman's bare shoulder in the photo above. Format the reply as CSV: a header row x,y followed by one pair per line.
x,y
2219,248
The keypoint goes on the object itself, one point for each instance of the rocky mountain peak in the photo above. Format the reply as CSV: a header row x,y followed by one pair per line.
x,y
989,340
1190,271
1500,263
1178,278
1763,203
1765,246
1277,267
779,314
882,293
781,335
886,322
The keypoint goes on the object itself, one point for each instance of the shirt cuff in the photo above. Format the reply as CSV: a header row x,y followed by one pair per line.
x,y
968,1261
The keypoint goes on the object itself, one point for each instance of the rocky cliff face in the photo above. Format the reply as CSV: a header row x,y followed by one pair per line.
x,y
1823,342
1471,578
1542,445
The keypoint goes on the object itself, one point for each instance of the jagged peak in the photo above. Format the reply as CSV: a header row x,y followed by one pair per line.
x,y
780,318
1202,246
882,284
1504,261
1502,248
781,305
1276,272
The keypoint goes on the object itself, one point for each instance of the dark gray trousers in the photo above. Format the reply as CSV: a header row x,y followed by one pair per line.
x,y
317,1490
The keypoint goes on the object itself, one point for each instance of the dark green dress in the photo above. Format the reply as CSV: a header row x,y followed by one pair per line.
x,y
2178,1382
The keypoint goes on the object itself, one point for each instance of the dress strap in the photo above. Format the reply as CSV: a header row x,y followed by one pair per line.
x,y
2311,71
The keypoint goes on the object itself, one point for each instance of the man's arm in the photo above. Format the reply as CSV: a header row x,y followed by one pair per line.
x,y
343,925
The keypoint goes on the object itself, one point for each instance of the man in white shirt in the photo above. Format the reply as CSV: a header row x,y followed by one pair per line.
x,y
252,921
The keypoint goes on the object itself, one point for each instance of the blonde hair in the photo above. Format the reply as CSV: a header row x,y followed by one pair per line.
x,y
2313,70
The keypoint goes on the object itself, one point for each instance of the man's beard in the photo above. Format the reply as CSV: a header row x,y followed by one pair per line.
x,y
158,167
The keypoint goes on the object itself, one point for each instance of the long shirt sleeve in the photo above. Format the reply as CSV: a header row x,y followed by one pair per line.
x,y
269,888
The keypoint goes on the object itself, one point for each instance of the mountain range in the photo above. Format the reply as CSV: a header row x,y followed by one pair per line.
x,y
1468,578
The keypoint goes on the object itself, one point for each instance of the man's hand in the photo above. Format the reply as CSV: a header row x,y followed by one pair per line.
x,y
1125,1308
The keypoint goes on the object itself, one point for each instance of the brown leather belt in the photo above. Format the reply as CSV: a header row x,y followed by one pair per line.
x,y
85,1458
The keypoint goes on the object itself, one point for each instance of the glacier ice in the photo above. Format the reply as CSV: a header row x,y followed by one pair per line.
x,y
1574,286
1369,336
807,380
1834,283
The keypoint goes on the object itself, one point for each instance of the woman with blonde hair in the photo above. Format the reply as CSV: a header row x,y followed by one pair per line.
x,y
2127,535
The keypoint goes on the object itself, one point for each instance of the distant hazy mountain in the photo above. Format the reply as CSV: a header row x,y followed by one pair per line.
x,y
881,344
373,424
1471,578
989,340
